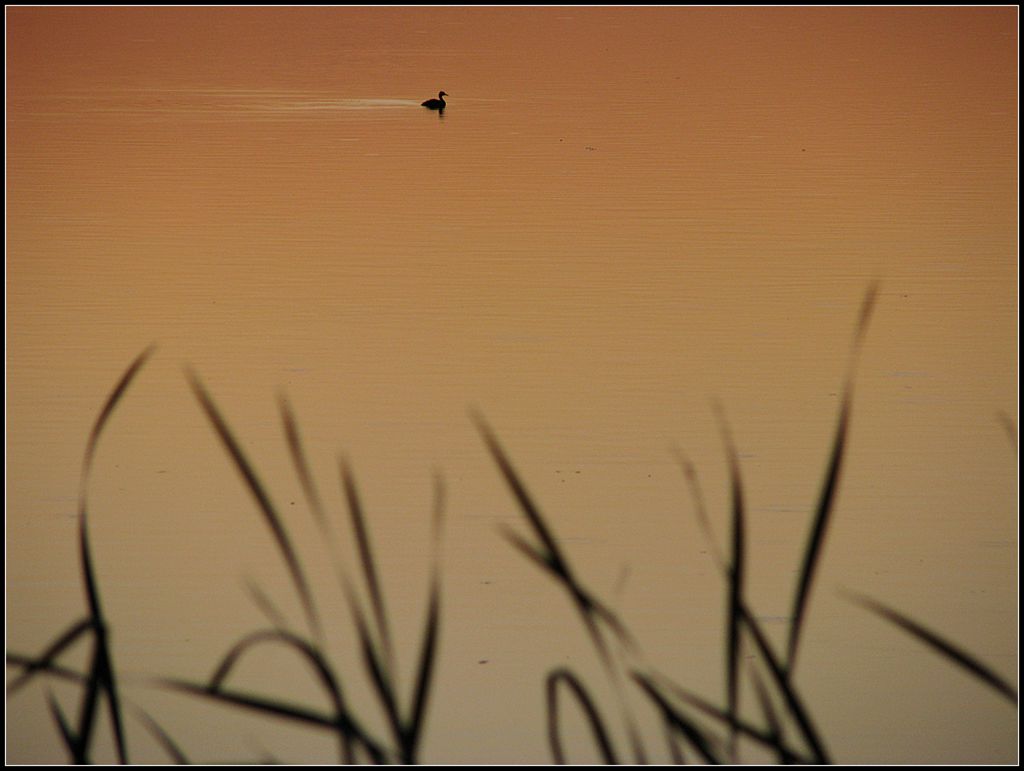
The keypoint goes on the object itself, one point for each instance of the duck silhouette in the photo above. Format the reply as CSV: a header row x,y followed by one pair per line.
x,y
436,104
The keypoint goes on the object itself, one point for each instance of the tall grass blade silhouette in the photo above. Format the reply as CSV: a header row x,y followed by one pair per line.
x,y
294,439
693,483
781,679
738,608
549,555
375,645
313,498
563,675
594,614
101,679
67,734
774,734
50,668
367,561
46,661
817,536
171,747
101,671
340,724
666,691
378,657
349,729
695,735
948,650
379,671
108,409
413,727
826,503
373,629
266,605
675,752
736,574
256,488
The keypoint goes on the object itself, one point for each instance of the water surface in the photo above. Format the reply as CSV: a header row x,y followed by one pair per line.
x,y
624,217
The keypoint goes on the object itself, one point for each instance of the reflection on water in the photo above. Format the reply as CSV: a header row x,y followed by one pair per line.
x,y
625,217
201,104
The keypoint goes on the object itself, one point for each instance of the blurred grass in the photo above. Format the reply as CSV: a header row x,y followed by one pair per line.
x,y
694,727
791,736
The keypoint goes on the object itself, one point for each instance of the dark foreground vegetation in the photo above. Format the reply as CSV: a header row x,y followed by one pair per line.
x,y
695,728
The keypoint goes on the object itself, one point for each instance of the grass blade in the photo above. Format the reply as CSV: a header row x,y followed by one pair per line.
x,y
413,729
590,711
71,742
782,682
307,651
376,649
108,409
89,577
53,669
674,750
947,649
821,519
87,712
378,669
703,520
550,557
867,307
590,608
522,496
291,430
661,684
100,678
702,743
270,515
170,746
826,502
786,688
739,610
774,735
340,722
531,552
101,675
735,575
344,722
45,661
256,703
266,605
366,560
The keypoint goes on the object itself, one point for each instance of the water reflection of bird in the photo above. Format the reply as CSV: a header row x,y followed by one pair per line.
x,y
436,104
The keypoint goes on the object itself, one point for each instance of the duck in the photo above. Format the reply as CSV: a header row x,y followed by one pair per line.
x,y
435,104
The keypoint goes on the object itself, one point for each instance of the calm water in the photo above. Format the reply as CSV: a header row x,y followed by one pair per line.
x,y
624,217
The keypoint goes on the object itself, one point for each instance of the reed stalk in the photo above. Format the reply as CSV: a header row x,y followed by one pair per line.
x,y
693,725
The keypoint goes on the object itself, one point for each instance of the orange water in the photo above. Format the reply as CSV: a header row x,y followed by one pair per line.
x,y
624,217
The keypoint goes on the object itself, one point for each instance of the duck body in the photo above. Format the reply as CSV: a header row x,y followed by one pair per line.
x,y
436,104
